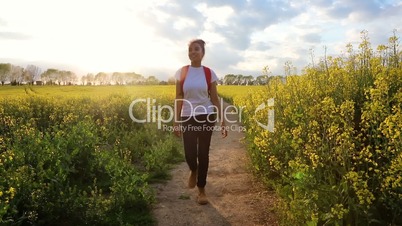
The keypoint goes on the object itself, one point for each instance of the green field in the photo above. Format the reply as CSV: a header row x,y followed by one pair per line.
x,y
231,92
87,91
72,154
226,91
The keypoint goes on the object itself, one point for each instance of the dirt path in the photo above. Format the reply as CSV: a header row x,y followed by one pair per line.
x,y
234,197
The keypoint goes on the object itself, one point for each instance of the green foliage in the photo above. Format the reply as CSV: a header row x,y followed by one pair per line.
x,y
335,155
79,160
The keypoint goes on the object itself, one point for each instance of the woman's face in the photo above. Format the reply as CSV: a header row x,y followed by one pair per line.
x,y
195,52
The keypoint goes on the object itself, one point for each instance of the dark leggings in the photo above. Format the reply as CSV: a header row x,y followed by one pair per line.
x,y
197,132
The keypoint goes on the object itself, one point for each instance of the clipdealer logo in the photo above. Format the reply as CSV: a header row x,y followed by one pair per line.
x,y
271,115
164,114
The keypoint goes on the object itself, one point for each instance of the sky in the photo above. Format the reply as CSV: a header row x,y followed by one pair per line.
x,y
151,37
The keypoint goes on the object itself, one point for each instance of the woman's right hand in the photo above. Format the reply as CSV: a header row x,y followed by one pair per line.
x,y
224,131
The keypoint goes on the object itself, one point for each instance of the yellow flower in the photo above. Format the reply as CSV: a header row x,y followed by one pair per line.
x,y
11,191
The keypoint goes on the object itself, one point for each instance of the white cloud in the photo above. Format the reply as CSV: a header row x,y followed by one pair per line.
x,y
216,16
150,37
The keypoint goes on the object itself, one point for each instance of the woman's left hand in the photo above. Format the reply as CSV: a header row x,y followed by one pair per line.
x,y
224,130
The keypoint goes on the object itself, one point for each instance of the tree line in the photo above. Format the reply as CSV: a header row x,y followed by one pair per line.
x,y
33,75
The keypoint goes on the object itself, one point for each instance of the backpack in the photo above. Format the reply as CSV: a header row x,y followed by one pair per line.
x,y
183,75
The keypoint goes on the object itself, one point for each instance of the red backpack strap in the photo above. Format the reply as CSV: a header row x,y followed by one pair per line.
x,y
208,76
183,75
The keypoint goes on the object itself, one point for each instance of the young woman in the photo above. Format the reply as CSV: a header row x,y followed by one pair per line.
x,y
197,109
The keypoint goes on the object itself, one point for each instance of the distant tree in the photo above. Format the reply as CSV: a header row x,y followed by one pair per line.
x,y
229,79
261,80
118,78
239,79
32,73
16,76
90,79
102,78
152,80
5,71
63,78
247,80
83,79
134,78
67,77
50,76
73,78
171,80
26,77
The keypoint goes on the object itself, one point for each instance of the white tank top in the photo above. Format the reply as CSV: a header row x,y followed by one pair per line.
x,y
196,99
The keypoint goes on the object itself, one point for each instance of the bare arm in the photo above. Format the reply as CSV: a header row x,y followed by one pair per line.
x,y
177,108
215,101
